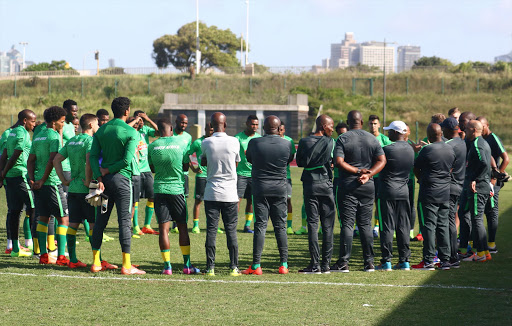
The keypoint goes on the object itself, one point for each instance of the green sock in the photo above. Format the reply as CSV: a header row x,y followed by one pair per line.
x,y
304,217
285,264
135,219
15,245
248,219
166,256
87,228
185,251
42,234
61,233
289,224
26,228
196,223
149,214
71,239
254,266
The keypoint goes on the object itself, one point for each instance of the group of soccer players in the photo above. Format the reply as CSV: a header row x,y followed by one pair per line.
x,y
76,178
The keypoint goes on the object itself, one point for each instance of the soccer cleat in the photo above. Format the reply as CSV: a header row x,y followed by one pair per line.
x,y
219,231
454,263
25,249
106,265
107,238
493,250
235,272
375,234
469,256
8,251
289,231
132,271
301,231
257,271
488,256
480,259
310,270
62,261
384,267
46,259
404,266
339,268
369,267
209,272
96,268
191,270
445,266
21,253
87,239
425,266
196,230
418,237
135,236
247,229
326,270
146,230
78,264
283,270
167,271
175,230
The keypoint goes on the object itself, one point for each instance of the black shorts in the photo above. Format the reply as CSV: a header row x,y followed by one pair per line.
x,y
51,201
200,186
18,193
170,208
146,185
185,185
244,187
135,188
289,188
79,209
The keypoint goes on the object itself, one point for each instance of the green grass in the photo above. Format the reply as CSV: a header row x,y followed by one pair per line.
x,y
79,297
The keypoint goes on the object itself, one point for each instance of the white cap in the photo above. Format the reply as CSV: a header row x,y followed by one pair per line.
x,y
398,126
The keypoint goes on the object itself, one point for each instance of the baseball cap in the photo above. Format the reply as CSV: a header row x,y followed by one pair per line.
x,y
450,123
398,126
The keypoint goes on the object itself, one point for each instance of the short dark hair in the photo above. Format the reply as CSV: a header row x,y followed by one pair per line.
x,y
25,114
68,104
86,119
373,117
341,125
164,122
54,113
136,113
119,106
453,110
252,117
282,123
101,112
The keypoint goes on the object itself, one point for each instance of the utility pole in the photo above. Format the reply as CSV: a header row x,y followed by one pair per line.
x,y
198,51
24,45
97,58
247,36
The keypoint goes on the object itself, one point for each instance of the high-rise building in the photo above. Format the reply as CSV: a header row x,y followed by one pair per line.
x,y
374,54
11,61
407,55
341,53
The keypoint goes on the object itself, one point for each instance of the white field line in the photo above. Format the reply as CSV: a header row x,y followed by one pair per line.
x,y
205,280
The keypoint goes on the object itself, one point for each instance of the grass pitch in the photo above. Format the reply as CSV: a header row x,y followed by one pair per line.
x,y
477,293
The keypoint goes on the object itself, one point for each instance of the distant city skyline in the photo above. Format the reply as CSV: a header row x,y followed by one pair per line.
x,y
282,32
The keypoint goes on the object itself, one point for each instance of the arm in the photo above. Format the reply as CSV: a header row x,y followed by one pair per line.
x,y
88,170
146,118
57,163
504,162
94,158
185,167
152,168
12,161
31,165
3,159
300,159
379,164
134,121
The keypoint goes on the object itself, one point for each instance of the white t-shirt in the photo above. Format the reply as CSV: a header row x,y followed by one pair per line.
x,y
221,152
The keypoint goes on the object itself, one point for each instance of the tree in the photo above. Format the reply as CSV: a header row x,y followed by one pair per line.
x,y
218,48
54,65
432,62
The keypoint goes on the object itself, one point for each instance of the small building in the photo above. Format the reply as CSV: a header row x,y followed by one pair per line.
x,y
294,114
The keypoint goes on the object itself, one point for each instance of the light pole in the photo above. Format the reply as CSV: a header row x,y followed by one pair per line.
x,y
198,51
247,36
24,45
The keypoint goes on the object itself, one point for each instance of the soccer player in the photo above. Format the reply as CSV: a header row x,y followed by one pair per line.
x,y
146,177
358,156
167,159
201,175
289,220
3,140
478,179
50,199
244,168
103,117
135,167
68,132
374,127
13,167
315,156
117,142
501,160
186,139
77,151
432,168
269,156
450,128
454,113
221,154
393,202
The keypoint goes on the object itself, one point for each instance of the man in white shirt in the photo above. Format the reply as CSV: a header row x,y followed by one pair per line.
x,y
221,154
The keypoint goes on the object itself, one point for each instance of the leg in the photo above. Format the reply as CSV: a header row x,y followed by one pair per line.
x,y
477,211
465,221
364,220
388,214
327,217
428,218
491,211
348,208
230,219
212,211
412,208
402,230
443,232
262,210
454,201
278,216
312,204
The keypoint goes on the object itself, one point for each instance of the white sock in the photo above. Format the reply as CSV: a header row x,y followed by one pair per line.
x,y
9,244
376,228
28,242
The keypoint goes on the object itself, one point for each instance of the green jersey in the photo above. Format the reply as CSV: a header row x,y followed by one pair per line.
x,y
3,140
142,149
146,132
18,139
167,155
68,132
47,141
186,141
39,128
383,141
288,174
76,150
244,168
116,142
196,148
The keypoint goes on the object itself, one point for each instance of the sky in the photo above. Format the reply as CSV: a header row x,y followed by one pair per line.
x,y
282,33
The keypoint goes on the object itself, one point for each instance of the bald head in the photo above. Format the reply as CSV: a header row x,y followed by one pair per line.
x,y
218,122
324,125
474,129
27,118
355,120
464,118
485,125
271,125
434,133
181,123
